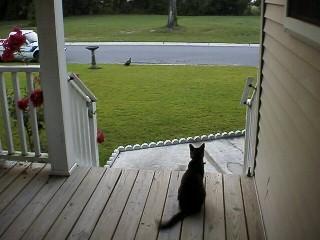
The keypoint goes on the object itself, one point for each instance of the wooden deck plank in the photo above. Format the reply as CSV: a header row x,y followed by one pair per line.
x,y
192,227
22,200
73,209
251,207
5,166
32,210
41,225
12,174
20,182
214,228
88,219
148,227
171,207
122,204
111,214
234,212
131,215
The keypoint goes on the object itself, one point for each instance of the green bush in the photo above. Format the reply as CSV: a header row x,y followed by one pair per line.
x,y
255,10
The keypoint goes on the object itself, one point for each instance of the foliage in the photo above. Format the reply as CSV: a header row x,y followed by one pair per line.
x,y
140,104
23,104
24,9
212,7
12,44
16,9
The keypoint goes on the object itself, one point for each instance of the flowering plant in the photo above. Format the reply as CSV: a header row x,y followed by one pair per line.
x,y
36,97
24,103
100,136
12,44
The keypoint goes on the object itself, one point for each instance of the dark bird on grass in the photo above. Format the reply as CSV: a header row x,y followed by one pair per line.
x,y
128,62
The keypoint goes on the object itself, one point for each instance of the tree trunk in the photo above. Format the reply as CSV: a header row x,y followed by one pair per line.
x,y
172,14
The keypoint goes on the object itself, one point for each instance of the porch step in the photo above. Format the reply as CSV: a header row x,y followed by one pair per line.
x,y
223,155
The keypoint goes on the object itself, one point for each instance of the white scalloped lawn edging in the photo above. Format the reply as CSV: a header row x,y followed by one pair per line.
x,y
195,139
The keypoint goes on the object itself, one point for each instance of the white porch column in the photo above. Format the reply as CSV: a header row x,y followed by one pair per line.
x,y
55,86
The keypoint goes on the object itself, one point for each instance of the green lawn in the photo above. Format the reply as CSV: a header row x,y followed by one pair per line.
x,y
140,104
229,29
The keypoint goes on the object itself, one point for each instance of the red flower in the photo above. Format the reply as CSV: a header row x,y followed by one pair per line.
x,y
100,136
36,97
7,55
23,103
12,44
15,41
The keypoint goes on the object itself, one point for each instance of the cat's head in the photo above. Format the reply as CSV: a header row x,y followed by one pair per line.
x,y
196,153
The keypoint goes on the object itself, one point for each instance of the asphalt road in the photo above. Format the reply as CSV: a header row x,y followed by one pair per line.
x,y
222,55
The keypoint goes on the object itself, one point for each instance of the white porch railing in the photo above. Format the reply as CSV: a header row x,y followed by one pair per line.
x,y
13,142
83,107
251,126
10,149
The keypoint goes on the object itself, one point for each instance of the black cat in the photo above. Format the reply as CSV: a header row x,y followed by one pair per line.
x,y
191,192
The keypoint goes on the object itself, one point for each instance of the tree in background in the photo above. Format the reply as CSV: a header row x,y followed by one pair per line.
x,y
24,9
16,9
172,15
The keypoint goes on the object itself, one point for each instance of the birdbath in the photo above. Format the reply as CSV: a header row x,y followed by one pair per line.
x,y
93,57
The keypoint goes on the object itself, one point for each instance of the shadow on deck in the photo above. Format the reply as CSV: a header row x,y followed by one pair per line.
x,y
101,203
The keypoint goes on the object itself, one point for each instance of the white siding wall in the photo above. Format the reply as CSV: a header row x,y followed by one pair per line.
x,y
288,153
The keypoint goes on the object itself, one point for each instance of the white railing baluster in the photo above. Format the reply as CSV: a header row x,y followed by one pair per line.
x,y
9,151
250,139
19,112
84,119
93,134
83,124
79,124
1,149
5,114
33,117
74,132
86,134
82,110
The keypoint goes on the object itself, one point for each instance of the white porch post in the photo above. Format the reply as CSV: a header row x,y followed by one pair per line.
x,y
55,87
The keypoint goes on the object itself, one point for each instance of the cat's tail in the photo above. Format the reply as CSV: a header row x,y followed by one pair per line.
x,y
174,220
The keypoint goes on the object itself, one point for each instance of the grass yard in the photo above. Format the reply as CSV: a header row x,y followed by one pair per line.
x,y
228,29
140,104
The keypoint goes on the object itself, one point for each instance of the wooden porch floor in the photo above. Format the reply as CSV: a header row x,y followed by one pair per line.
x,y
100,203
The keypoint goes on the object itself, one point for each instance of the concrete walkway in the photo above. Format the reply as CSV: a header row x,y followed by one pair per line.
x,y
221,155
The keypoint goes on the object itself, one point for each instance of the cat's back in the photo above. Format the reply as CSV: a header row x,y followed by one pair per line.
x,y
191,186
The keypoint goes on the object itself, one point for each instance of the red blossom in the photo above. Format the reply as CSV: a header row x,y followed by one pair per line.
x,y
100,136
7,55
23,103
12,44
36,97
15,41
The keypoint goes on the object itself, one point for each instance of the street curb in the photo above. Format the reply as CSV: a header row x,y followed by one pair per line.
x,y
162,44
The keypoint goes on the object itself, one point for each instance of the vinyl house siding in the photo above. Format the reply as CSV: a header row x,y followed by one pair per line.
x,y
288,151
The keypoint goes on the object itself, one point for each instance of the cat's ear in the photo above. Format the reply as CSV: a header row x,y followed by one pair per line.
x,y
202,146
191,147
